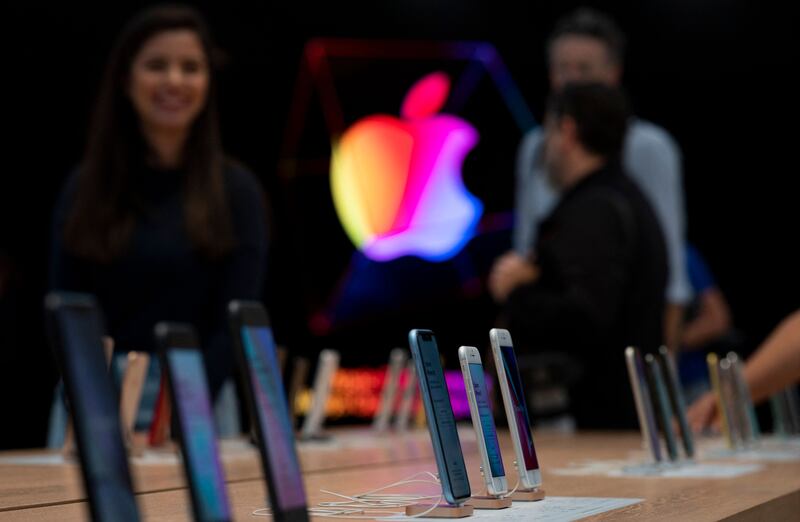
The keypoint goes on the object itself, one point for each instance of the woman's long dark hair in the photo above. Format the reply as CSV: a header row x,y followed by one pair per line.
x,y
102,218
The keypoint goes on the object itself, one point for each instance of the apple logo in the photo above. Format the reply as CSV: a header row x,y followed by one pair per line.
x,y
396,183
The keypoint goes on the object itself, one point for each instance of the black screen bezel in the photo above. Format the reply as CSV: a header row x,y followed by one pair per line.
x,y
501,347
427,336
58,306
678,406
657,393
252,314
170,336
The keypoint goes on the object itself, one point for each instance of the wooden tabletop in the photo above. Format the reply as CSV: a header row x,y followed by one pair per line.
x,y
356,462
33,485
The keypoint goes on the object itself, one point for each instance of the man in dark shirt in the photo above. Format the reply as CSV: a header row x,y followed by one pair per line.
x,y
597,283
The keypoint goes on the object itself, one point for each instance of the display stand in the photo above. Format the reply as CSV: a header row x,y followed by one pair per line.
x,y
313,422
68,448
440,511
299,374
489,502
160,428
528,495
130,396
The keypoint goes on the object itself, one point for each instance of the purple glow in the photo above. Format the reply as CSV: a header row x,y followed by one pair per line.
x,y
397,184
458,393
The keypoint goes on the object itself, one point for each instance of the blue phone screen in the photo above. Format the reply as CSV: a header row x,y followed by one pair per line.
x,y
104,458
520,408
200,444
273,416
487,420
443,411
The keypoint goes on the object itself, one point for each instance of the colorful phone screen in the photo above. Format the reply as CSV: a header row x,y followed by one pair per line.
x,y
193,403
433,380
487,420
273,417
92,400
520,408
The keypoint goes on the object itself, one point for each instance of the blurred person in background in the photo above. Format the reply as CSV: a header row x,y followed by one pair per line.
x,y
588,46
708,326
597,284
156,221
772,367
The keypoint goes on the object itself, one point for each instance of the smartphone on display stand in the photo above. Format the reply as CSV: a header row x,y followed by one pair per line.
x,y
269,410
440,418
133,377
661,404
383,415
183,366
492,469
75,329
716,385
644,406
296,383
736,421
510,382
407,400
751,429
327,365
675,390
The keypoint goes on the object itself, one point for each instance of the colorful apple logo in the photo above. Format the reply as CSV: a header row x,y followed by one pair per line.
x,y
397,184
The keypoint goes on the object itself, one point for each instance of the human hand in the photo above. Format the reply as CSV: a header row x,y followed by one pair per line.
x,y
703,413
510,271
108,348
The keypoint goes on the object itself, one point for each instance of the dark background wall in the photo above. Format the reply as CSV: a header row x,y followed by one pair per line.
x,y
715,73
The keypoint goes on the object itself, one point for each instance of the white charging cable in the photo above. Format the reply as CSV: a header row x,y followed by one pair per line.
x,y
374,501
516,486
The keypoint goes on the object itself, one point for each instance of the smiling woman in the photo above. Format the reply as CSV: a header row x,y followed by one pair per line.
x,y
156,221
168,87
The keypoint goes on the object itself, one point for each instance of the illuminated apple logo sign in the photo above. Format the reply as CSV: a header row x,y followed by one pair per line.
x,y
397,184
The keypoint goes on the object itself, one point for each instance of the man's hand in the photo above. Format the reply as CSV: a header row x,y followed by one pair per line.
x,y
510,271
703,413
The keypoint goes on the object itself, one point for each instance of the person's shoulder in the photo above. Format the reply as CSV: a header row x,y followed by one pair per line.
x,y
245,196
598,201
646,135
599,212
532,138
70,182
239,179
237,172
69,188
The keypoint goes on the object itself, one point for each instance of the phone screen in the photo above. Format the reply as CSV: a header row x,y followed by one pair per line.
x,y
443,411
487,420
520,408
273,417
200,444
95,411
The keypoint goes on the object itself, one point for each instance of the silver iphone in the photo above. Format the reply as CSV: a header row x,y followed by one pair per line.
x,y
510,381
323,379
644,406
397,359
407,401
494,474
